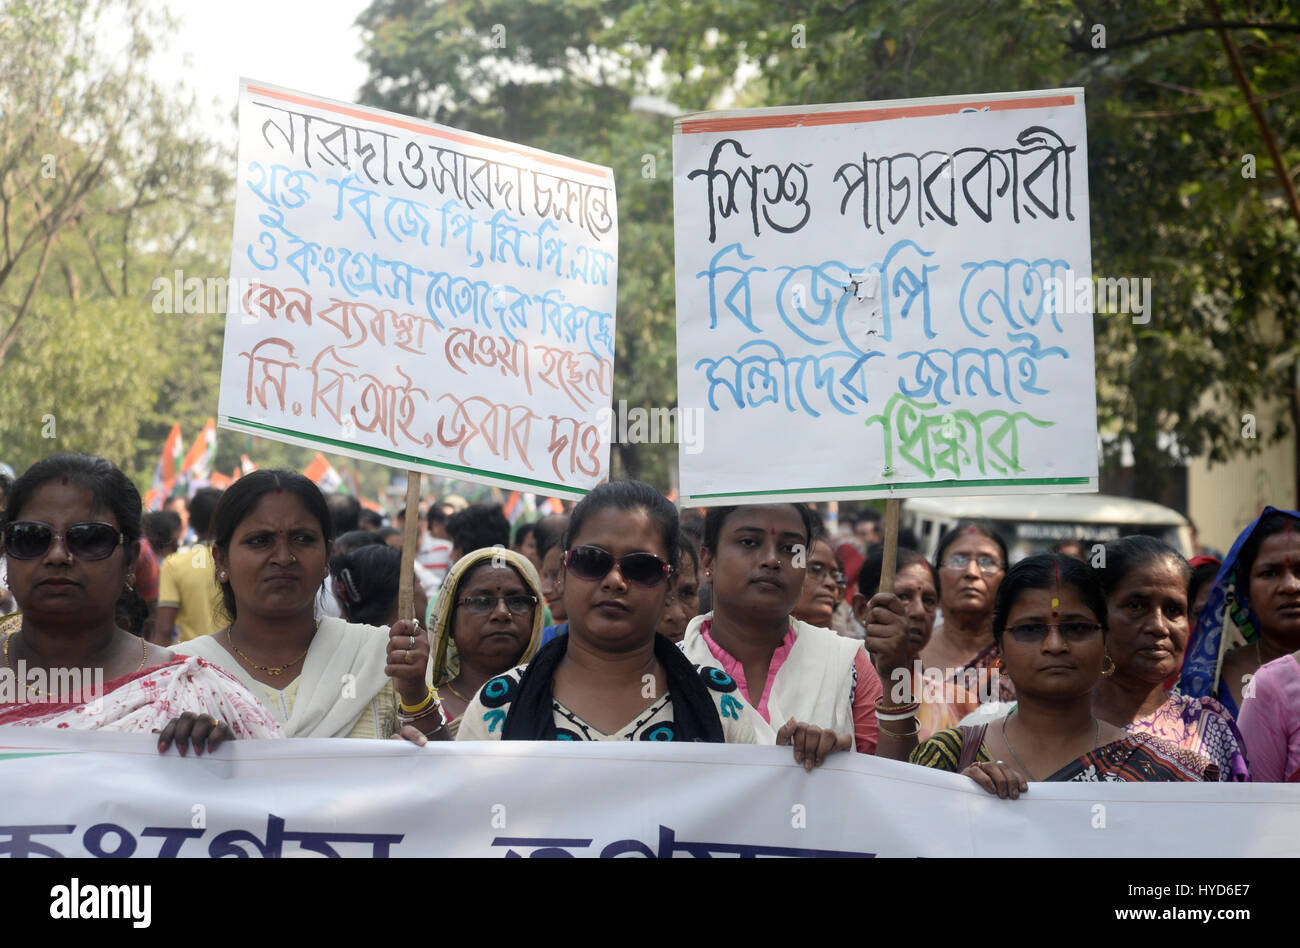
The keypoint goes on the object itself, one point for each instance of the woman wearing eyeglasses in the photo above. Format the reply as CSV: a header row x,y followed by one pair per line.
x,y
823,585
1145,582
70,538
1049,621
969,563
612,677
488,619
319,678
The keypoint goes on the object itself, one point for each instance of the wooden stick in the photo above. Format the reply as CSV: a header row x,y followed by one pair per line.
x,y
410,540
890,559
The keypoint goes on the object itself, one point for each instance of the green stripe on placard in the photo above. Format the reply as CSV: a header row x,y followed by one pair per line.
x,y
37,754
1007,482
409,459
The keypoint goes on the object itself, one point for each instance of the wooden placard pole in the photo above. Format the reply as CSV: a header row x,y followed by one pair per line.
x,y
410,541
889,560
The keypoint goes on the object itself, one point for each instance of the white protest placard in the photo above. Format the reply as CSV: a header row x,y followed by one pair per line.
x,y
420,296
80,793
879,299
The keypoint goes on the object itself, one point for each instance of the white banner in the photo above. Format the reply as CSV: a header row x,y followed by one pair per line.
x,y
76,794
886,298
420,296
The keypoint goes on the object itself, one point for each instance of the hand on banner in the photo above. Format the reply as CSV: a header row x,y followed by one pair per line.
x,y
887,640
200,729
410,733
408,656
999,778
812,743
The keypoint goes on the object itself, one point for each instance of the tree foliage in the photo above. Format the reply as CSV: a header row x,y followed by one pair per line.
x,y
1168,128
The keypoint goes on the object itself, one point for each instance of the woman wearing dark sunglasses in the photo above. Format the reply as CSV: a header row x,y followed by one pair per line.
x,y
70,537
1049,621
487,619
612,677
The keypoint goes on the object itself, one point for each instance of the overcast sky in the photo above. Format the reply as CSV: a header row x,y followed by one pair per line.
x,y
309,45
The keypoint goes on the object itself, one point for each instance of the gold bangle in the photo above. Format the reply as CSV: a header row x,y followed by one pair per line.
x,y
916,729
417,709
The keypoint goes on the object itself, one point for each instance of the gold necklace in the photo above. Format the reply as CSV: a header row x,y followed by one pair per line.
x,y
1005,740
456,693
275,670
144,647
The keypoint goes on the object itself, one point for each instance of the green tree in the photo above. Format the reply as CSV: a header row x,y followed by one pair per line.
x,y
104,188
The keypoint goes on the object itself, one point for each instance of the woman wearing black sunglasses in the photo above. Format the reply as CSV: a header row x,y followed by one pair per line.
x,y
1049,621
70,537
612,677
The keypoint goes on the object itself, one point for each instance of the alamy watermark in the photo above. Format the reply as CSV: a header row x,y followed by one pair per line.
x,y
945,685
24,685
1074,295
637,425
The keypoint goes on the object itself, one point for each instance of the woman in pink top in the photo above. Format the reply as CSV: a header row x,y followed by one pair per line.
x,y
1270,721
754,557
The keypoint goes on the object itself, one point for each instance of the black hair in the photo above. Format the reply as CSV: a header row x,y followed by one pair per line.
x,y
131,611
202,505
869,574
550,533
383,533
345,511
867,515
1128,553
686,545
369,517
355,540
369,583
1269,525
628,495
1201,576
109,487
436,514
717,516
980,526
161,527
692,524
478,526
524,531
245,494
1046,571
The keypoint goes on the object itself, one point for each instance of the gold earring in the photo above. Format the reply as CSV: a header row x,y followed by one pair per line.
x,y
1107,672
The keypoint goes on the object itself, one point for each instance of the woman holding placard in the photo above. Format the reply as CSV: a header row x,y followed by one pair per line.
x,y
754,557
319,678
612,676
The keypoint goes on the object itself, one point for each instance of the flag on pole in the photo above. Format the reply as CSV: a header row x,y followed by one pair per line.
x,y
219,480
197,465
164,475
514,507
321,473
246,466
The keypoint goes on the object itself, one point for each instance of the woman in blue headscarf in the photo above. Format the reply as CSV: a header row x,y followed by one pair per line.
x,y
1253,613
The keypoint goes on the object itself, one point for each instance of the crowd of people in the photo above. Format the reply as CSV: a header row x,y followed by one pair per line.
x,y
269,610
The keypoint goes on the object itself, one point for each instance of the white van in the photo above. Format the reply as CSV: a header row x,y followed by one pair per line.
x,y
1033,523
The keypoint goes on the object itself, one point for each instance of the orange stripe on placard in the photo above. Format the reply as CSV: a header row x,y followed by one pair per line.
x,y
421,129
740,123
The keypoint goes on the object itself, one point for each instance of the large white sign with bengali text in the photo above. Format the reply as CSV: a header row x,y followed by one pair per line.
x,y
879,299
420,296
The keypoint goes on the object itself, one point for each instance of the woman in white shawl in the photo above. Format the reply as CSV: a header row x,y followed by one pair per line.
x,y
319,678
754,557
